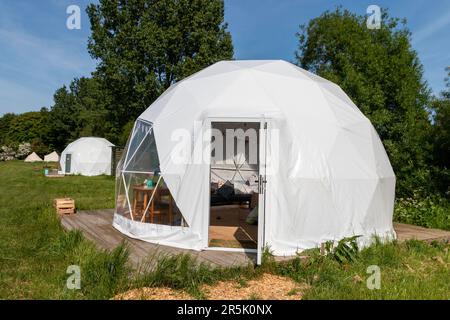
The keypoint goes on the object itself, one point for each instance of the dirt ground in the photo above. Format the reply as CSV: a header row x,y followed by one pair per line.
x,y
266,287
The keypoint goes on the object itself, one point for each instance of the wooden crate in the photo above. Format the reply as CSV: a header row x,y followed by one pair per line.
x,y
64,205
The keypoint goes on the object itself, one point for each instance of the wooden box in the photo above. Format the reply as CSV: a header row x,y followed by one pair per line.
x,y
64,205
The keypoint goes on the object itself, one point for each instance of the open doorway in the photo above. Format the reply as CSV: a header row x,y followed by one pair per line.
x,y
234,185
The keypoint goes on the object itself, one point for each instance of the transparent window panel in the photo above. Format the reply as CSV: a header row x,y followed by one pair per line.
x,y
146,198
145,158
141,155
140,131
141,194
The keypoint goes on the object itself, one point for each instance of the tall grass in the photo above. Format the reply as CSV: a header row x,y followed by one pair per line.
x,y
411,270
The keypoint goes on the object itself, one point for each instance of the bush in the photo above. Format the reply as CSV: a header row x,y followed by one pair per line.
x,y
23,150
12,152
430,211
345,250
7,153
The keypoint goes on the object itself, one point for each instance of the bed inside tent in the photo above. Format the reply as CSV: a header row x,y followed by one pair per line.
x,y
233,220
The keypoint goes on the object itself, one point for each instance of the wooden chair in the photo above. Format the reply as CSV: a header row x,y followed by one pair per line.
x,y
164,206
161,205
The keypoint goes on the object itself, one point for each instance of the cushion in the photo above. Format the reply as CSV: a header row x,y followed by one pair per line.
x,y
226,190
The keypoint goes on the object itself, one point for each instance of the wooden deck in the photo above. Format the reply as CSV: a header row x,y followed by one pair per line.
x,y
97,227
408,232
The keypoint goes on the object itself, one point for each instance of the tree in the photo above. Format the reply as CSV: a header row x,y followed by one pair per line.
x,y
441,137
78,111
144,46
382,74
5,122
31,127
64,119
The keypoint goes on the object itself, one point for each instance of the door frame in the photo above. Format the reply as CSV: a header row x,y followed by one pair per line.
x,y
262,212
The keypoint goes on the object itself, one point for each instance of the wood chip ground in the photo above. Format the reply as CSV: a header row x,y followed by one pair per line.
x,y
266,287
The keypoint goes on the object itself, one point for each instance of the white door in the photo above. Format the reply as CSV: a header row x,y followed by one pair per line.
x,y
261,190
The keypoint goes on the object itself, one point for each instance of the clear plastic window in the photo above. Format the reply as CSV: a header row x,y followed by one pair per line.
x,y
141,194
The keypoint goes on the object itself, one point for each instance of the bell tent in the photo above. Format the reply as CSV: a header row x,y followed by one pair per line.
x,y
33,158
320,171
52,157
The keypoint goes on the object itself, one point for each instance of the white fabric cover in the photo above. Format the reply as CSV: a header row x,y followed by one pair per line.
x,y
33,158
51,157
328,174
91,156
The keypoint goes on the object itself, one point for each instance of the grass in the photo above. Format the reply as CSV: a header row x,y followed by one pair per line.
x,y
34,250
411,270
184,272
35,253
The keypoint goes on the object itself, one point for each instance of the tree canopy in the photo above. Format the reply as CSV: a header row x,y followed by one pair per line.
x,y
78,111
441,136
382,74
144,46
32,127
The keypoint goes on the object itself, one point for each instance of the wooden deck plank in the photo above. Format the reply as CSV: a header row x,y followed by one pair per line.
x,y
96,225
407,232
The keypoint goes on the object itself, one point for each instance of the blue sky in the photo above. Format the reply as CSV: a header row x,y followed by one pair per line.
x,y
38,54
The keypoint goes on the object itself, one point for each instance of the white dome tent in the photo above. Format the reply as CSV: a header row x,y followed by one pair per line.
x,y
89,156
323,171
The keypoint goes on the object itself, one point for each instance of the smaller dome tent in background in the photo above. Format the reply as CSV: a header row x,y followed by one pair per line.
x,y
89,156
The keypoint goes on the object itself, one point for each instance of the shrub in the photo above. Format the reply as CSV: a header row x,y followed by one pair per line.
x,y
345,250
7,153
431,211
23,150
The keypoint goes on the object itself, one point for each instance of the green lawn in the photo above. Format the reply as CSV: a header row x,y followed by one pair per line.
x,y
34,250
35,253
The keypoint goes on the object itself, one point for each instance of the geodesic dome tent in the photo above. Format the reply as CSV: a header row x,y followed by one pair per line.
x,y
89,156
327,173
